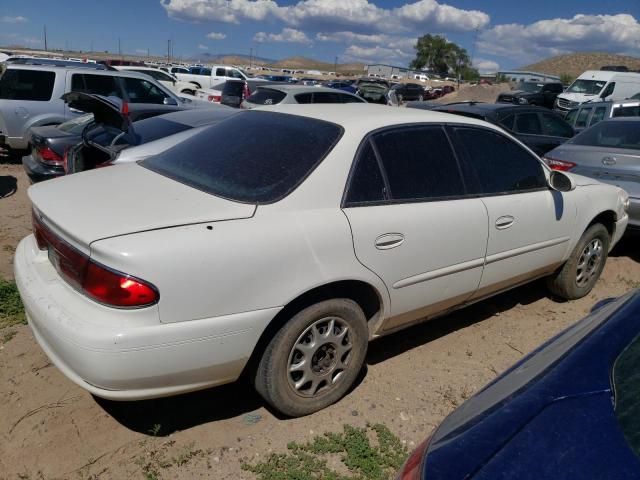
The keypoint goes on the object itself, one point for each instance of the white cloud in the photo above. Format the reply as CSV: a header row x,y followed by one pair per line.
x,y
203,47
141,50
527,43
216,36
18,19
290,35
331,14
389,41
377,54
486,66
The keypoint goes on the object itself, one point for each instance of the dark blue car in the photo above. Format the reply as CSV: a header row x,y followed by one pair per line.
x,y
344,86
569,410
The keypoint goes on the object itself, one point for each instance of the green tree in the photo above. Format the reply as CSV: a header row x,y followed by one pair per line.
x,y
441,56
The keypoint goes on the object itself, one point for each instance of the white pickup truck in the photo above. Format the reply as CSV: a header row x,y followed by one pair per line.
x,y
203,77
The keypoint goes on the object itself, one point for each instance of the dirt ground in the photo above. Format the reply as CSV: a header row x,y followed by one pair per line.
x,y
476,93
49,428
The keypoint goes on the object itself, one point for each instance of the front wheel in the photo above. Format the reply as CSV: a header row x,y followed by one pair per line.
x,y
581,271
314,358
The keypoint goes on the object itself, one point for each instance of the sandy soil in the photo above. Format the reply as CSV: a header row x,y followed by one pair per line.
x,y
476,93
49,428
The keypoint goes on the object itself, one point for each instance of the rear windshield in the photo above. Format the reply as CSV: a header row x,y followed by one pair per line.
x,y
34,85
530,87
151,129
266,96
233,88
626,382
253,157
614,134
631,111
76,125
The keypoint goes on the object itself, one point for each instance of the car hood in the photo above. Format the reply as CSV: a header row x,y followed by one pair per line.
x,y
578,97
109,111
125,199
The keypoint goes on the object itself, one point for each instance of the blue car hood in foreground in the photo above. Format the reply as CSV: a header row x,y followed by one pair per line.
x,y
549,416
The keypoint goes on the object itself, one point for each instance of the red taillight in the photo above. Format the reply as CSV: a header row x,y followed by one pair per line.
x,y
49,157
117,289
107,286
245,91
412,468
561,165
215,98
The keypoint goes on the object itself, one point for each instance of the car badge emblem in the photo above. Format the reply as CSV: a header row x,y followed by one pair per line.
x,y
609,161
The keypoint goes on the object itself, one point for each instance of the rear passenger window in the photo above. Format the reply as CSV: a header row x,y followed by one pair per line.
x,y
221,72
555,126
143,91
581,120
419,163
325,97
349,98
496,164
508,121
266,96
96,84
598,115
304,98
34,85
367,184
528,123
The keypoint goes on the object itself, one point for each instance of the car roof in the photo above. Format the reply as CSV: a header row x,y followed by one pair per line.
x,y
87,71
201,116
294,89
489,108
367,116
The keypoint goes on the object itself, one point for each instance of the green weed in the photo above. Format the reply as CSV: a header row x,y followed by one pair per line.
x,y
11,309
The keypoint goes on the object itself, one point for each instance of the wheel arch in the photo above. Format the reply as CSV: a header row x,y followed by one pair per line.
x,y
607,218
363,293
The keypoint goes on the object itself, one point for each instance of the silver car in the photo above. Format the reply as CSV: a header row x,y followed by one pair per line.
x,y
608,152
281,94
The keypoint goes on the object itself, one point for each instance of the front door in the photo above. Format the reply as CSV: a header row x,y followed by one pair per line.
x,y
413,224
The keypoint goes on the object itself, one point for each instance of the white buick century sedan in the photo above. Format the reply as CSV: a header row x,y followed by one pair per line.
x,y
278,242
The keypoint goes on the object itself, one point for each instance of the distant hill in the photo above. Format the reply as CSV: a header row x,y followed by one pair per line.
x,y
304,63
233,58
574,64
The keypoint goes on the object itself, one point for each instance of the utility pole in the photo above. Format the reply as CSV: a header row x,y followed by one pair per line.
x,y
91,46
119,49
45,38
251,58
335,66
169,52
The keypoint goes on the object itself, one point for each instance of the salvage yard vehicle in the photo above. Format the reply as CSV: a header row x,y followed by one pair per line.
x,y
30,96
590,113
164,78
608,152
595,85
536,127
214,76
546,416
47,145
409,91
282,256
532,93
297,94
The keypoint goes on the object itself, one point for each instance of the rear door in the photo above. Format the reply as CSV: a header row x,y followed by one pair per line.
x,y
413,223
530,226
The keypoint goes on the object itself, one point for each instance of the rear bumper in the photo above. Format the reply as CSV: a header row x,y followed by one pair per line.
x,y
38,172
127,354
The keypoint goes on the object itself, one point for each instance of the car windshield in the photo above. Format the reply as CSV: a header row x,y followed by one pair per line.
x,y
259,157
612,134
586,87
529,87
151,129
626,384
76,125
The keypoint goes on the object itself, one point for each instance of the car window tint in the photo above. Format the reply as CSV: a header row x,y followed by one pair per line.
x,y
496,164
349,98
508,121
608,90
221,72
157,74
571,116
266,96
233,73
96,84
304,98
555,126
630,111
528,123
419,163
265,166
367,184
598,115
32,85
581,120
325,97
626,381
143,91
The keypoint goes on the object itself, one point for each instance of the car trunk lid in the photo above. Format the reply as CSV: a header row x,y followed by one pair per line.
x,y
123,200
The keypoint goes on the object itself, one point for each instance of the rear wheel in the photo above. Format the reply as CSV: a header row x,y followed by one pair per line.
x,y
581,271
314,358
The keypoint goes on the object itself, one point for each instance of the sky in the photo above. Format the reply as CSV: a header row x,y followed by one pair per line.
x,y
498,34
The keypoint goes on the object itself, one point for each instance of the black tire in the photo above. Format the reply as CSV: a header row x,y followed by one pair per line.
x,y
579,274
337,366
197,85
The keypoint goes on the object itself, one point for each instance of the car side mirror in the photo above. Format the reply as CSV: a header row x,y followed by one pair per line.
x,y
169,101
561,182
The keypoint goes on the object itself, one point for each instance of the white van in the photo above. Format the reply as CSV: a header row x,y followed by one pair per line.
x,y
596,85
421,77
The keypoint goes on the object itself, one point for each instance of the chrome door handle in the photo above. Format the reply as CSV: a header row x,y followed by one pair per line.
x,y
389,240
504,222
